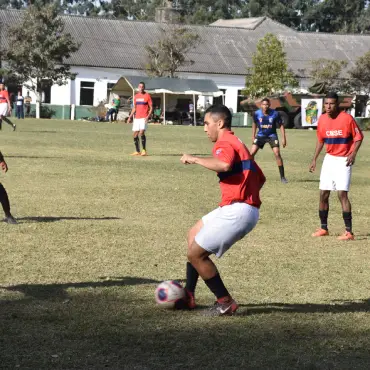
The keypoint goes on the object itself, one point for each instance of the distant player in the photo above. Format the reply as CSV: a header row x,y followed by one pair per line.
x,y
240,182
268,120
5,107
4,200
343,138
142,110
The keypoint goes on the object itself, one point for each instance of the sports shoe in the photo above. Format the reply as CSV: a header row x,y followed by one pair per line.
x,y
187,303
143,153
226,308
135,153
10,220
320,232
347,236
14,127
284,180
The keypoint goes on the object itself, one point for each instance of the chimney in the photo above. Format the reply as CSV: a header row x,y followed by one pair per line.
x,y
167,13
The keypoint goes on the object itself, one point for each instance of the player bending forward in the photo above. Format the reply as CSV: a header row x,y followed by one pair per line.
x,y
240,181
339,131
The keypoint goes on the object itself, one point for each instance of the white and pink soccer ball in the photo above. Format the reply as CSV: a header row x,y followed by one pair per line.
x,y
168,293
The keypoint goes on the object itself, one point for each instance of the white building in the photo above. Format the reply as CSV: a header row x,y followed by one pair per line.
x,y
112,48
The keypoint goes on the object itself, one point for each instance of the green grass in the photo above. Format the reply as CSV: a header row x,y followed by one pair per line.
x,y
98,230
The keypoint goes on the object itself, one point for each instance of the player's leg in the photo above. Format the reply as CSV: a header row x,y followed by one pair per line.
x,y
135,130
323,213
143,139
279,160
4,200
254,149
343,181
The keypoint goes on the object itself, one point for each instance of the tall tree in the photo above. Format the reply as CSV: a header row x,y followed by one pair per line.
x,y
269,73
165,57
40,49
360,75
327,74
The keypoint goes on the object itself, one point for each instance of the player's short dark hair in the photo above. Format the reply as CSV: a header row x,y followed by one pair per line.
x,y
332,95
142,83
265,99
222,111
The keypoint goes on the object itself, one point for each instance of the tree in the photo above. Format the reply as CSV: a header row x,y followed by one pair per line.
x,y
169,53
40,50
326,75
360,75
269,73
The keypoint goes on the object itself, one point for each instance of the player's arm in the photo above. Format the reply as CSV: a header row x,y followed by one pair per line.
x,y
3,164
357,137
9,105
133,110
150,103
211,163
254,127
318,149
283,135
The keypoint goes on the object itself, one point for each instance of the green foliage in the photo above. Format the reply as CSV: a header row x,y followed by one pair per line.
x,y
165,57
269,73
40,48
328,74
360,75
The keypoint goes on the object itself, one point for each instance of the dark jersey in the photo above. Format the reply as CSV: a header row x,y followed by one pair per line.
x,y
267,125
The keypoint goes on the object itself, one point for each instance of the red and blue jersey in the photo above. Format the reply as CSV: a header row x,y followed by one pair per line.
x,y
4,96
267,124
339,134
245,179
142,103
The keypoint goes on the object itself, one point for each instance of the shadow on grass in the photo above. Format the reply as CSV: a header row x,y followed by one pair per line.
x,y
30,157
123,330
179,155
52,291
41,131
307,180
338,306
61,218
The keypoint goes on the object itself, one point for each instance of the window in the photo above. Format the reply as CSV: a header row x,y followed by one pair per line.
x,y
46,94
241,97
87,93
220,100
109,89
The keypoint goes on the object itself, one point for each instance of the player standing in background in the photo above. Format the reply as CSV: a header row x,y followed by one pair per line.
x,y
4,200
142,110
268,120
343,138
240,181
5,107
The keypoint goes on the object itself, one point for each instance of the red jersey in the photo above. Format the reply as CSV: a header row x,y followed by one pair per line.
x,y
142,102
339,134
245,179
4,96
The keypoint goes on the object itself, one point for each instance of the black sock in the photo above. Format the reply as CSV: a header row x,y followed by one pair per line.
x,y
217,287
136,142
143,141
4,200
1,123
7,120
324,219
347,217
191,277
281,171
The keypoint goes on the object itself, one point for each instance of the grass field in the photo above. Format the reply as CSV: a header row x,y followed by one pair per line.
x,y
99,229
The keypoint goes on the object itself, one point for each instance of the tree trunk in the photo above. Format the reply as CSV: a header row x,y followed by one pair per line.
x,y
38,103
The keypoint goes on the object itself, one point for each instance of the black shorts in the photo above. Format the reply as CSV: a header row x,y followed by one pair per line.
x,y
261,141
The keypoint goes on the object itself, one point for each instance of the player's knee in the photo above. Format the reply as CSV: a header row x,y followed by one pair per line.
x,y
343,195
324,195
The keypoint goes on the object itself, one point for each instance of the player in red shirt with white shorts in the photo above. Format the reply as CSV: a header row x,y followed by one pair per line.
x,y
240,181
343,138
5,107
142,110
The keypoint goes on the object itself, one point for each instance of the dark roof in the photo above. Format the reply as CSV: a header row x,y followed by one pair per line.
x,y
115,43
174,85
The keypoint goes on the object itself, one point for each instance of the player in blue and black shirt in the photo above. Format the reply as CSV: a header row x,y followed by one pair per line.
x,y
268,120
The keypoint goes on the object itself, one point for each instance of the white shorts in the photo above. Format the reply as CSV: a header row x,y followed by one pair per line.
x,y
335,174
225,226
139,124
3,109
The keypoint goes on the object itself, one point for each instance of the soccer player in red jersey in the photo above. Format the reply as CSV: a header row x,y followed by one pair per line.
x,y
343,138
240,181
5,107
4,200
142,110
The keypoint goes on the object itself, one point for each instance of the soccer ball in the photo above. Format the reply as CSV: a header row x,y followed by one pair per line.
x,y
168,293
